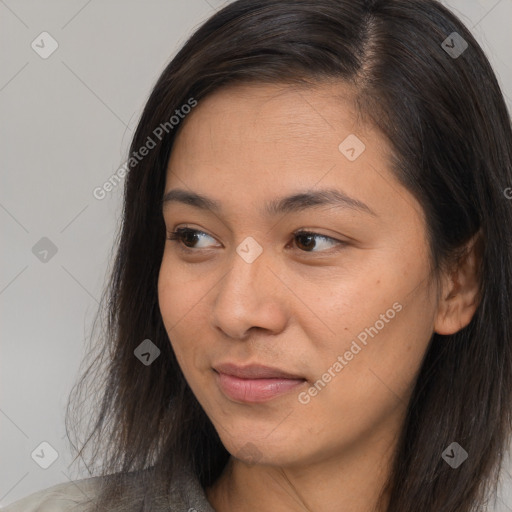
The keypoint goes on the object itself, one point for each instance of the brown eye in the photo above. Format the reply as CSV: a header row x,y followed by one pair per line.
x,y
305,242
308,241
188,237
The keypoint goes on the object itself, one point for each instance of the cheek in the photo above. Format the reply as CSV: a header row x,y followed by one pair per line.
x,y
379,362
180,293
183,297
360,386
176,302
167,300
381,333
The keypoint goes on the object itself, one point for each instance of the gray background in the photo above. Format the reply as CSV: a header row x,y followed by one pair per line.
x,y
66,125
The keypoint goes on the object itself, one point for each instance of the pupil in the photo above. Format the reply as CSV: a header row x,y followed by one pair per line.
x,y
310,243
189,237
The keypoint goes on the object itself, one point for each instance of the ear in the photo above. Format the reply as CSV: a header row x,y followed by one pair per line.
x,y
460,290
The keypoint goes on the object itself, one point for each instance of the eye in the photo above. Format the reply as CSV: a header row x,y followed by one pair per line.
x,y
307,241
188,238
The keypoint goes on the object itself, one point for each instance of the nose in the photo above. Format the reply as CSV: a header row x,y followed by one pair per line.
x,y
250,296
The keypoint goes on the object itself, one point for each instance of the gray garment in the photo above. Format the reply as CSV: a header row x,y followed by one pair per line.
x,y
186,495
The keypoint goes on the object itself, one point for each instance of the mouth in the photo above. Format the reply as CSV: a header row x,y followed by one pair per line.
x,y
255,383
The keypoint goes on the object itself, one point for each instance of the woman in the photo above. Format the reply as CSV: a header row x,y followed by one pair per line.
x,y
310,305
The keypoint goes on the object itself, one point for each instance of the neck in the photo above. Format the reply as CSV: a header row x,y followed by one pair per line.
x,y
350,481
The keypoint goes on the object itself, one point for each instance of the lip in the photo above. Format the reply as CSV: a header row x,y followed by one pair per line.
x,y
255,383
255,371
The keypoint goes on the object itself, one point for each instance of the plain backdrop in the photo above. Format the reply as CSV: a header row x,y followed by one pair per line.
x,y
66,124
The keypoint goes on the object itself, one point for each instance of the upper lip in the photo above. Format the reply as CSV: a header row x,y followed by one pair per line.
x,y
254,371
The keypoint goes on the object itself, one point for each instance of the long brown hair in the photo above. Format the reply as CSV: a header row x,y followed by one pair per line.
x,y
448,125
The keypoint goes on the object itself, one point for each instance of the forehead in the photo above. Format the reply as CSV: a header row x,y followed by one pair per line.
x,y
299,109
247,143
270,124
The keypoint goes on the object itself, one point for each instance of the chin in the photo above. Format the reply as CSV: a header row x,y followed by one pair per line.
x,y
276,449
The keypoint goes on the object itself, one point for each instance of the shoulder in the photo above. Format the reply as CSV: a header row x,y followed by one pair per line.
x,y
183,493
65,497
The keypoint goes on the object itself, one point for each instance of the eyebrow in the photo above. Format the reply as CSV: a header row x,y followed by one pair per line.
x,y
293,203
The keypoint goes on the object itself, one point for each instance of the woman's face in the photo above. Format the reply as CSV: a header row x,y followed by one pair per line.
x,y
341,316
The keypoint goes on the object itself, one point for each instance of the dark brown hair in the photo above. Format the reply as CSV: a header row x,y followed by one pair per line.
x,y
450,131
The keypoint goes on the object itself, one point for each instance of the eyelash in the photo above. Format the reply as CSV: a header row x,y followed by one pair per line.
x,y
177,237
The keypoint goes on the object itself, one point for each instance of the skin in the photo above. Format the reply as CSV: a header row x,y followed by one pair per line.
x,y
295,309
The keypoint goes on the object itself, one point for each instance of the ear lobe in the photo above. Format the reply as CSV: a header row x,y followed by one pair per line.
x,y
460,295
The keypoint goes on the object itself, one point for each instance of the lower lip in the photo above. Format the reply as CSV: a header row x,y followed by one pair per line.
x,y
255,390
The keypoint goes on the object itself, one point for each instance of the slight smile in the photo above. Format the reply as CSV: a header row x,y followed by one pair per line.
x,y
254,383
